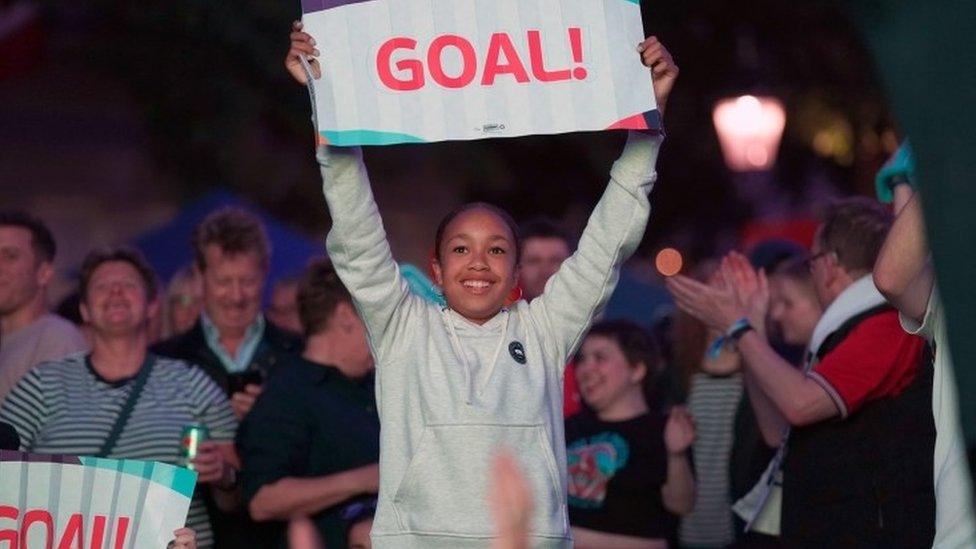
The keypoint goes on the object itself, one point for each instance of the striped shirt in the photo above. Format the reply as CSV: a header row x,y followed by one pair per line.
x,y
713,402
65,407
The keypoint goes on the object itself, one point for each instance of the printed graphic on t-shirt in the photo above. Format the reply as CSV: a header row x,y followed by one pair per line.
x,y
592,463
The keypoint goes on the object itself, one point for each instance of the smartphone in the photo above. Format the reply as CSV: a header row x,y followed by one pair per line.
x,y
238,380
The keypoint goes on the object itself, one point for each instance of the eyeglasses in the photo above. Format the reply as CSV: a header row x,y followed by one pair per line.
x,y
808,262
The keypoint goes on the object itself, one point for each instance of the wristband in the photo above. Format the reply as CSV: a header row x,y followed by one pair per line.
x,y
735,331
898,170
739,330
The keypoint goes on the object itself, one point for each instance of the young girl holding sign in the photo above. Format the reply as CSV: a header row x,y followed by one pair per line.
x,y
455,384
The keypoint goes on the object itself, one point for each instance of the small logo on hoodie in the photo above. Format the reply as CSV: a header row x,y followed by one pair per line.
x,y
517,351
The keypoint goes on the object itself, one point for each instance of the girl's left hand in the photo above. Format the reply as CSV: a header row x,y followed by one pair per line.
x,y
679,432
184,538
665,71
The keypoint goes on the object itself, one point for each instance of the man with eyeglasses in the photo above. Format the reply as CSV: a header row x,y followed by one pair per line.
x,y
855,461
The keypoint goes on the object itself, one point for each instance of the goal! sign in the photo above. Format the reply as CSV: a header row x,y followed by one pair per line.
x,y
69,502
408,71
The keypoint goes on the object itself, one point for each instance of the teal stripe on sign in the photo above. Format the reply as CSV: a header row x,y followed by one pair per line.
x,y
179,479
163,474
633,1
184,481
134,468
345,138
102,463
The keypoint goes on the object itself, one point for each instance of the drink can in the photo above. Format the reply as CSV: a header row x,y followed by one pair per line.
x,y
193,435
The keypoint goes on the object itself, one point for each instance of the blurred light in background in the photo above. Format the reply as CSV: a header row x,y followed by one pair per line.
x,y
749,129
668,262
828,130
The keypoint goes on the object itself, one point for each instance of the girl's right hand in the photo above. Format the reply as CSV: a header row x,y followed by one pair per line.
x,y
302,43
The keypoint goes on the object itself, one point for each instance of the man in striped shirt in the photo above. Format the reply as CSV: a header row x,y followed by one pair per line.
x,y
70,406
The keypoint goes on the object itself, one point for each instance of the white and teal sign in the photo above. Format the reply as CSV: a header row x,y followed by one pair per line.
x,y
66,501
402,71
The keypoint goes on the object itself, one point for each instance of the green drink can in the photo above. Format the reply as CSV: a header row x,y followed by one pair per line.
x,y
193,435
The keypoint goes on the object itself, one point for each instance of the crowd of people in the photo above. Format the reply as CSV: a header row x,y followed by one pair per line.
x,y
819,403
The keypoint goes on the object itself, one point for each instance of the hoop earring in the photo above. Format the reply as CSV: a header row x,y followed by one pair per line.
x,y
515,294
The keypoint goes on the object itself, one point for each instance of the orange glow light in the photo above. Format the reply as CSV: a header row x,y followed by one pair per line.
x,y
668,262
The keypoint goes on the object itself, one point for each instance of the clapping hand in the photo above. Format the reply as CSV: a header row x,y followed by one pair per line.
x,y
510,501
750,286
740,292
679,432
715,304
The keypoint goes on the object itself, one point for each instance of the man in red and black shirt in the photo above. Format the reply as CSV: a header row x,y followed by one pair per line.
x,y
854,427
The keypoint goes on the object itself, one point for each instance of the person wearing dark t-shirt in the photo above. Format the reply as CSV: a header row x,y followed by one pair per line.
x,y
630,475
310,445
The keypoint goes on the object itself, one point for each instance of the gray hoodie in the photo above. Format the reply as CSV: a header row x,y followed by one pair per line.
x,y
451,393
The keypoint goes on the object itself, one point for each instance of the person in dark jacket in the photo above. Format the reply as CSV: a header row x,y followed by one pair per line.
x,y
311,444
232,342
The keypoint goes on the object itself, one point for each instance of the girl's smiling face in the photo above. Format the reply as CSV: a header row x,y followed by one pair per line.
x,y
477,263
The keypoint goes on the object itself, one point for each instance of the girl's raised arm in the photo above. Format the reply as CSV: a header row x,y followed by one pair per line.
x,y
357,245
357,242
582,286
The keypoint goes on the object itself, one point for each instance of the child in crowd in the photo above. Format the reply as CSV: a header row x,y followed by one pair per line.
x,y
630,476
455,383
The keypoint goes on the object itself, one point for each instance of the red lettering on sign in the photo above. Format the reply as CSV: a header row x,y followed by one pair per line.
x,y
73,534
501,58
413,66
469,63
121,529
9,534
34,516
576,43
98,532
538,63
501,45
72,537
